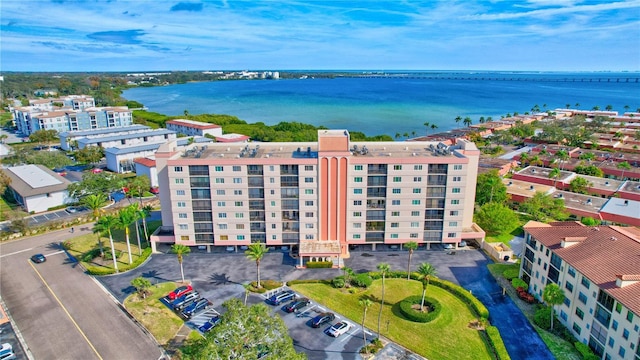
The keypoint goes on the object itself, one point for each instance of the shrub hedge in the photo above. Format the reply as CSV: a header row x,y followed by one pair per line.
x,y
511,274
406,308
464,295
495,340
309,281
363,280
94,270
338,282
542,317
319,264
517,282
585,351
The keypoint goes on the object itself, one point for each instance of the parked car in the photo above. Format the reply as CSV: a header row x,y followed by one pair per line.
x,y
185,300
339,328
210,324
323,318
179,292
296,305
96,170
448,246
279,298
6,352
462,244
38,258
195,307
155,190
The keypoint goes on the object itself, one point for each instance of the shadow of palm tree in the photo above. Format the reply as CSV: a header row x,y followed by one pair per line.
x,y
54,246
220,279
129,290
153,274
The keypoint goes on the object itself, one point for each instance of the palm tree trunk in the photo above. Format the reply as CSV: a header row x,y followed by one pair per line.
x,y
113,253
381,306
182,271
364,333
551,317
138,237
258,266
126,236
146,232
409,265
424,292
101,247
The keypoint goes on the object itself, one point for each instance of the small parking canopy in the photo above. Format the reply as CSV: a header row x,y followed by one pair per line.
x,y
326,250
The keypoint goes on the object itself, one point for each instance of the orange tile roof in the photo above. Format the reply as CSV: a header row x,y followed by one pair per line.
x,y
193,124
606,252
145,162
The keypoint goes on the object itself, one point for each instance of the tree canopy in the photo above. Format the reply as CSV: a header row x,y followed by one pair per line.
x,y
496,218
543,207
244,333
490,188
91,183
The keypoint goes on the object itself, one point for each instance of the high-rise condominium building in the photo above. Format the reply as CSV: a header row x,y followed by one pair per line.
x,y
323,196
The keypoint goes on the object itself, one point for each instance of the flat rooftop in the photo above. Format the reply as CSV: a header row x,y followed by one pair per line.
x,y
525,188
631,187
587,203
310,150
543,173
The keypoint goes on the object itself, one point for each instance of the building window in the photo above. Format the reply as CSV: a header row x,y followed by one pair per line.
x,y
220,192
357,167
357,191
308,226
183,226
415,202
308,180
308,203
308,214
417,167
308,191
611,342
219,168
417,191
457,178
308,236
457,167
239,215
395,225
415,224
222,226
413,235
357,214
219,180
395,202
455,202
453,223
357,225
614,325
455,190
396,191
563,315
395,213
569,286
582,297
397,179
394,236
417,178
177,168
181,204
625,334
221,204
237,180
585,282
397,167
184,237
236,168
357,179
357,202
224,237
579,313
451,235
222,215
567,302
577,328
571,271
356,236
621,352
308,167
629,316
182,215
239,237
415,213
238,203
180,192
180,181
618,308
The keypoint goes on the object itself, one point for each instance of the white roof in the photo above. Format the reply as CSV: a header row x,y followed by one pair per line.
x,y
34,176
624,207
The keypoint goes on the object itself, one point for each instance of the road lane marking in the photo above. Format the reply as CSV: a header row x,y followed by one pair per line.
x,y
55,253
16,252
65,310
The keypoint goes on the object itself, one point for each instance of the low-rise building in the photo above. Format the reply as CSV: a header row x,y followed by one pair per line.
x,y
194,128
599,270
37,188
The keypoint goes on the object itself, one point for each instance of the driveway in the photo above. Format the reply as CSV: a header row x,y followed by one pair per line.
x,y
219,276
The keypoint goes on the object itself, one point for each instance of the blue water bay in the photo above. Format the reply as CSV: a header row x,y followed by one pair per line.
x,y
383,105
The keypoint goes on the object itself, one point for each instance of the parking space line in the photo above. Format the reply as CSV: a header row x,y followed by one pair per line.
x,y
16,252
66,311
54,253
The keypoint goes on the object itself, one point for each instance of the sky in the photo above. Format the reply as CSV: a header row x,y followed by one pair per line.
x,y
159,35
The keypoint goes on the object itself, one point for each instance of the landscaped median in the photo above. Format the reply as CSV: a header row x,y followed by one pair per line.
x,y
449,335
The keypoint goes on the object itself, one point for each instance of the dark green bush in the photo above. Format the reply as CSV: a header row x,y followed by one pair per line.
x,y
495,340
585,351
464,295
309,281
319,264
511,274
517,282
94,270
108,256
338,282
363,280
542,318
266,285
406,308
90,255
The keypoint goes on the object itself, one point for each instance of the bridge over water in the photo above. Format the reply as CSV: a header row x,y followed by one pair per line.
x,y
501,77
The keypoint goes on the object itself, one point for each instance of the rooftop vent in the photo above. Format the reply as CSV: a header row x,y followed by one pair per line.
x,y
531,187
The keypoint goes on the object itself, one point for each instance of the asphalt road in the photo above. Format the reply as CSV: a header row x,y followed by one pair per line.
x,y
63,313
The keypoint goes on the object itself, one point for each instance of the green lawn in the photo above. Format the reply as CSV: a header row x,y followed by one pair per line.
x,y
497,269
84,243
560,348
447,337
153,314
505,237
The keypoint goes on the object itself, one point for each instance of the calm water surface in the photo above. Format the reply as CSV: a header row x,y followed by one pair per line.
x,y
391,105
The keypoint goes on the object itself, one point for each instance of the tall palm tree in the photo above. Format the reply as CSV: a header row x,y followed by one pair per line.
x,y
348,273
95,202
365,303
623,166
383,268
426,271
144,213
104,225
458,119
180,251
411,246
434,127
553,295
467,121
563,156
524,158
256,252
427,124
126,217
554,174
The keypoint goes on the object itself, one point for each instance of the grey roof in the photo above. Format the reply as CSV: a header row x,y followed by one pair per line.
x,y
623,207
30,180
135,135
132,149
101,131
196,139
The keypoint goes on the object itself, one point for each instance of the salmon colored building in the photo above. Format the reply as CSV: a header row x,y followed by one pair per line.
x,y
321,197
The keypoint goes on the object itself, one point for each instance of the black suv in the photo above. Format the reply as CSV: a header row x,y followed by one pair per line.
x,y
296,305
322,319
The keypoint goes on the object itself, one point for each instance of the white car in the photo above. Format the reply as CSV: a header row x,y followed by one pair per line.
x,y
339,328
448,246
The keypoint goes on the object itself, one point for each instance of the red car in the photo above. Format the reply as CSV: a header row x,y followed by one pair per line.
x,y
155,190
179,292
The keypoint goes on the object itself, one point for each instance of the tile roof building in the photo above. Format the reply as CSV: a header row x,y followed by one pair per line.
x,y
599,270
322,196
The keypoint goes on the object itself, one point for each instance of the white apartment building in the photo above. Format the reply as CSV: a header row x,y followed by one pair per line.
x,y
599,270
322,196
194,128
